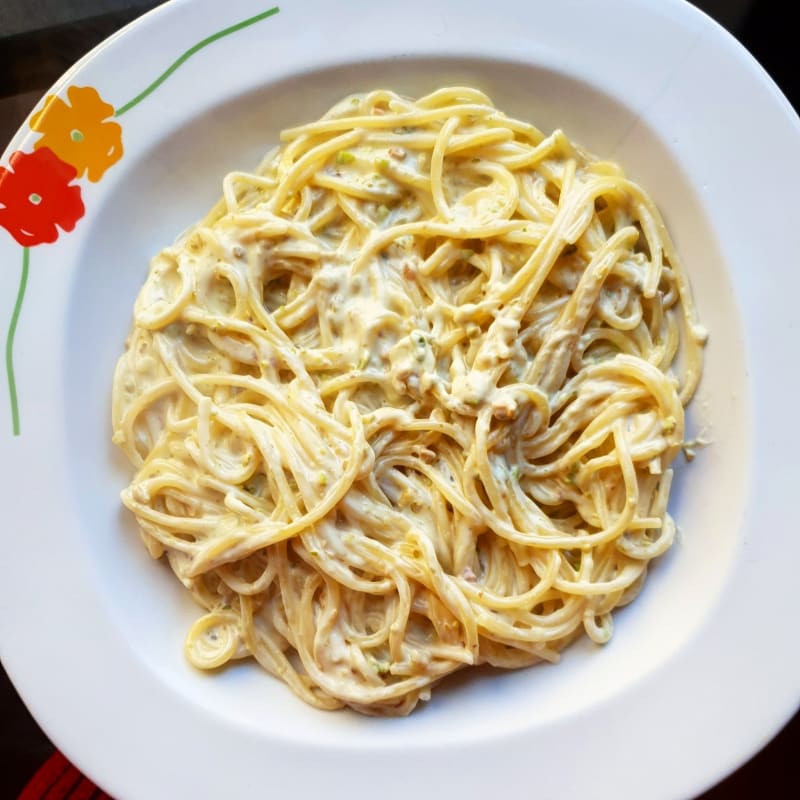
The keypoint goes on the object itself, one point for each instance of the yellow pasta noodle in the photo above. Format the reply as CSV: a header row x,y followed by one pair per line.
x,y
407,399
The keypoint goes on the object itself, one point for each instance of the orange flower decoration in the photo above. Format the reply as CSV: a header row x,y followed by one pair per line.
x,y
79,133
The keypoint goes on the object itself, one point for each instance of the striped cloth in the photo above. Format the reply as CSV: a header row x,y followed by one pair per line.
x,y
57,779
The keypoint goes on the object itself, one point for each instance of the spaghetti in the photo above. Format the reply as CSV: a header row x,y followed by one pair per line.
x,y
406,400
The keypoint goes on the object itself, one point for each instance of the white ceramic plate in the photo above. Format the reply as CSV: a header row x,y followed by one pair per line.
x,y
703,667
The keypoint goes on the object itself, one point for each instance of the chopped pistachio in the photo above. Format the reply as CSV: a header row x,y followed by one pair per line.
x,y
345,157
572,474
381,213
380,666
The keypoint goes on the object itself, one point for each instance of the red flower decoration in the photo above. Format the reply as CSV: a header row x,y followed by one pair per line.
x,y
36,196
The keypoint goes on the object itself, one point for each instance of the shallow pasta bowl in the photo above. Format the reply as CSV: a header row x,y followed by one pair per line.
x,y
132,150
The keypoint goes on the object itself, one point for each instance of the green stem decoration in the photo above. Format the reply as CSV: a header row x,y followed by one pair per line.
x,y
189,53
23,281
12,329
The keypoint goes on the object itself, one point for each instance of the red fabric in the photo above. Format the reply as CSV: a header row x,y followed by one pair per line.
x,y
57,779
85,790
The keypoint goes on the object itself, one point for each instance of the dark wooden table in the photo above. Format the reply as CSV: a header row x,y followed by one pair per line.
x,y
39,41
